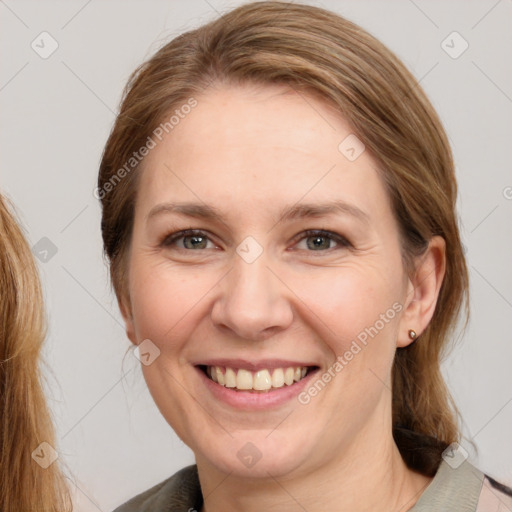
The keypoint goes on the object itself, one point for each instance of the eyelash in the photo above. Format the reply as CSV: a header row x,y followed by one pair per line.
x,y
171,239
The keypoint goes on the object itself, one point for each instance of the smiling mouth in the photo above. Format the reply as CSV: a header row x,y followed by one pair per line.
x,y
263,381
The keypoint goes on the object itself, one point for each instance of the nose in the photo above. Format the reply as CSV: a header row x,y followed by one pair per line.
x,y
253,302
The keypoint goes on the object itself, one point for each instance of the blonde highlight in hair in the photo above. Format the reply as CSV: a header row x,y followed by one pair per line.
x,y
25,419
316,52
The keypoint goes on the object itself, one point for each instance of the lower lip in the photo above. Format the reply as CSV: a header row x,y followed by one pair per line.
x,y
247,400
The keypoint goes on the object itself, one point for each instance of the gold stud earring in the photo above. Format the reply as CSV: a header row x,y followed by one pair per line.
x,y
412,334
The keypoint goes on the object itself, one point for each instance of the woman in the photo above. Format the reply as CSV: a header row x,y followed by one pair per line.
x,y
278,202
30,478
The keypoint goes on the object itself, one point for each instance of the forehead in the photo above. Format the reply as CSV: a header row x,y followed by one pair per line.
x,y
244,146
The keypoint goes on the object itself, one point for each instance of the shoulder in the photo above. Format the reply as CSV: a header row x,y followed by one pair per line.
x,y
179,493
462,487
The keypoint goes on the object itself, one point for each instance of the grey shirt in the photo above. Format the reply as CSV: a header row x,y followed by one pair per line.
x,y
461,489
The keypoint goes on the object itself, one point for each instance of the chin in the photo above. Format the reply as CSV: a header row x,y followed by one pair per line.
x,y
255,454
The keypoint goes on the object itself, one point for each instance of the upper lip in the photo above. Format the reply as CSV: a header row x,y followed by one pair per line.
x,y
254,365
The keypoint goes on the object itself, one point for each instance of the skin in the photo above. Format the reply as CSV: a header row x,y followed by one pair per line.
x,y
250,151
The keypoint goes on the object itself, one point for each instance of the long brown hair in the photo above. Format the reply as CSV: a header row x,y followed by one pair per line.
x,y
25,420
315,51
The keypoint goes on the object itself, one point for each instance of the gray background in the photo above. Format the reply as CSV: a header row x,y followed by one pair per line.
x,y
57,113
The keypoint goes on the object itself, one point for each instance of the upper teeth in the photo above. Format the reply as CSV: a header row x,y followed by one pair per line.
x,y
261,380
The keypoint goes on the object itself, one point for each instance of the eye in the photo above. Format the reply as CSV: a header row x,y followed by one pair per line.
x,y
188,239
318,240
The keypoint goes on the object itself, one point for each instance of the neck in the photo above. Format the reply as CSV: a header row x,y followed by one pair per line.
x,y
367,476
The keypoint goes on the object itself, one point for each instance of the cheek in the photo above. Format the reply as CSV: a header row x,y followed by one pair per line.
x,y
356,310
166,300
350,300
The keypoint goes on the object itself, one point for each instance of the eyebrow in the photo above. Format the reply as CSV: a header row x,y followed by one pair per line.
x,y
288,213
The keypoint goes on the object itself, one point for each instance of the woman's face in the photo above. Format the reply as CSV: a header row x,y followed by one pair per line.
x,y
251,290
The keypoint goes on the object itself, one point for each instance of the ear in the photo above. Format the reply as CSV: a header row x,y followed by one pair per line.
x,y
423,291
126,312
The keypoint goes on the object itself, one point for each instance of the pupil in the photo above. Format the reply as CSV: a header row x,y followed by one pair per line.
x,y
317,242
196,241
